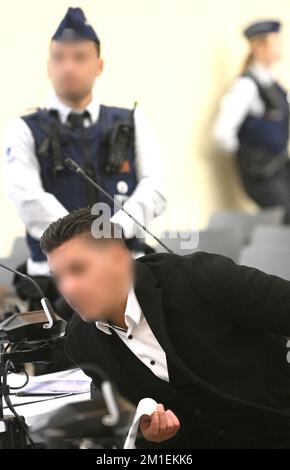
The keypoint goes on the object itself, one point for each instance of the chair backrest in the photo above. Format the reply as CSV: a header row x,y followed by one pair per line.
x,y
227,242
6,277
181,243
19,253
270,259
277,235
246,222
19,249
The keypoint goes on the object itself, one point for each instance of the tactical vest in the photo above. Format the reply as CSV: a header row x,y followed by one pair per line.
x,y
89,147
264,139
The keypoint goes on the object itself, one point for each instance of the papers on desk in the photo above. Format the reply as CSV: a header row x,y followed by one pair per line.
x,y
67,382
55,387
38,409
51,387
27,400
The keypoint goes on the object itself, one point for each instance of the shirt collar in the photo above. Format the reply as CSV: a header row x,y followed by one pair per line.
x,y
55,103
133,315
262,74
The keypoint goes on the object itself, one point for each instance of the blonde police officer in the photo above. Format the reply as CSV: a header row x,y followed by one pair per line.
x,y
253,121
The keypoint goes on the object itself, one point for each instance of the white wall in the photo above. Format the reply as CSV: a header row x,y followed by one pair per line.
x,y
175,57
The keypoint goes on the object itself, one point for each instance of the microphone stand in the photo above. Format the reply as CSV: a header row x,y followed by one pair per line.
x,y
73,166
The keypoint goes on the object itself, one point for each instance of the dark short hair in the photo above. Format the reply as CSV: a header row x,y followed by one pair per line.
x,y
76,224
98,47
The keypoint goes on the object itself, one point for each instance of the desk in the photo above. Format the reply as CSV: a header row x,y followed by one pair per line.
x,y
37,412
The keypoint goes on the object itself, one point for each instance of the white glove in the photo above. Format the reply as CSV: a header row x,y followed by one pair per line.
x,y
125,222
130,228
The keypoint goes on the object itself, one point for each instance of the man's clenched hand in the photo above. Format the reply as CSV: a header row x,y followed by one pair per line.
x,y
160,426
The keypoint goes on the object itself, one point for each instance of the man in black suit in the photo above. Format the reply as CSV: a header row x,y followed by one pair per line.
x,y
204,337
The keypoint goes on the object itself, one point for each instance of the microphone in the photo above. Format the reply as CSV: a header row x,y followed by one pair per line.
x,y
73,166
46,305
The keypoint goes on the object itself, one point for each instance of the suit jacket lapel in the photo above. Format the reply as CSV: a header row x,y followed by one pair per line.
x,y
149,296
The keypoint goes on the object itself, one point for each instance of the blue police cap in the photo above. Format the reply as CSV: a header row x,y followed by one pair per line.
x,y
262,27
74,27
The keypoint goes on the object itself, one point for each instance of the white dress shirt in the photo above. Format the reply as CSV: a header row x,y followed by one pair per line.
x,y
38,208
241,99
140,338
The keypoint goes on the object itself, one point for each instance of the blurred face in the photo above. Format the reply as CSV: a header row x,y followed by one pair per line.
x,y
90,275
73,68
268,49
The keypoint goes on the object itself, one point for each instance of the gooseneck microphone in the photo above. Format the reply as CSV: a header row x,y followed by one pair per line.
x,y
73,166
46,305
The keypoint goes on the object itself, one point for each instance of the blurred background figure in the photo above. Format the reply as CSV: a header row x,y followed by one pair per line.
x,y
114,145
253,121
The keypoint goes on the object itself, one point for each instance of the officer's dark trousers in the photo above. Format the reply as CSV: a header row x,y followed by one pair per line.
x,y
272,191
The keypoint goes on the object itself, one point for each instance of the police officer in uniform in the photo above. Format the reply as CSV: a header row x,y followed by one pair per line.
x,y
253,121
115,146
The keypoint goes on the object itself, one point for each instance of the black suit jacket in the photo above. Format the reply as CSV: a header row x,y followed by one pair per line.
x,y
226,324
